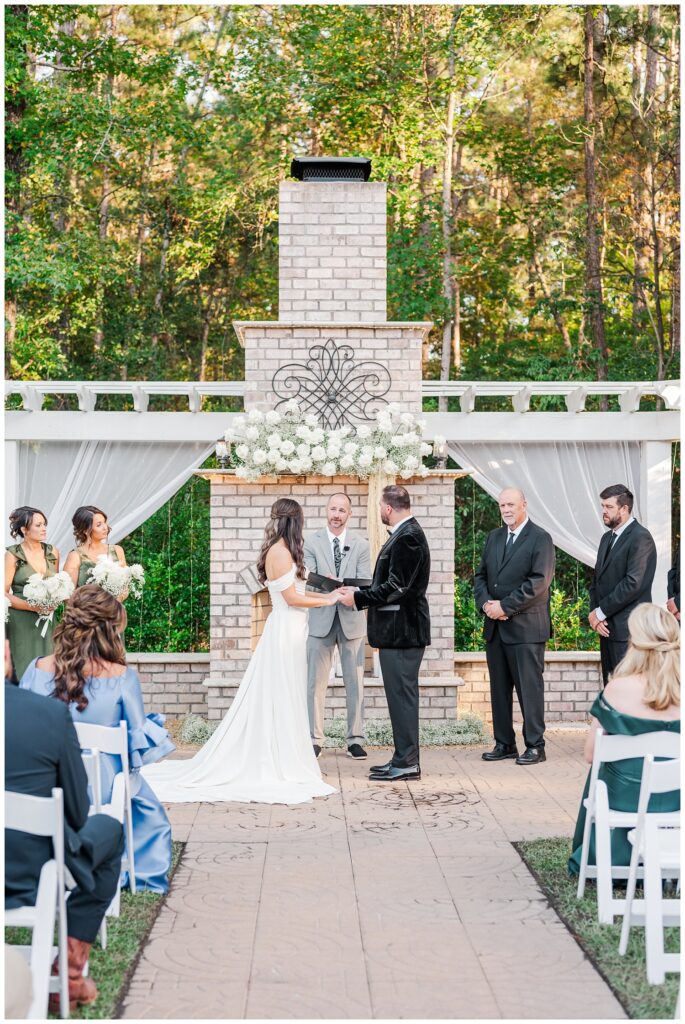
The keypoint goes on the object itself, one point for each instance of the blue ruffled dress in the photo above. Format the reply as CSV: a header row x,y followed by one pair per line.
x,y
111,699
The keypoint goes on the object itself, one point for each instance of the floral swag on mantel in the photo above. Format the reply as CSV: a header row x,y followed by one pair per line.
x,y
291,441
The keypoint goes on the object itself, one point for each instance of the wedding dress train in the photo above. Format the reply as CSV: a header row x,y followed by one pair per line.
x,y
262,750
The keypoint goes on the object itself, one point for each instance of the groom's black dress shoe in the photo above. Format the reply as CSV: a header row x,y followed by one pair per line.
x,y
500,752
393,774
381,767
532,755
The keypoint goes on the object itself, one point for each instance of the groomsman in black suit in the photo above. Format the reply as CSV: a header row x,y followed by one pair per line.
x,y
512,590
42,753
624,572
399,626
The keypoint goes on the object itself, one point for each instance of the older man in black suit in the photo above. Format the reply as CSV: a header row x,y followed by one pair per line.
x,y
42,753
512,589
399,626
624,572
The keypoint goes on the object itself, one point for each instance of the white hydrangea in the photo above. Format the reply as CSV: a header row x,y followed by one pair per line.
x,y
252,433
273,417
384,423
303,432
393,408
367,453
425,449
365,459
390,467
347,462
287,447
351,448
273,456
281,465
380,452
295,466
411,462
302,451
255,416
242,451
410,438
259,456
306,464
311,419
328,469
318,452
363,431
317,435
274,440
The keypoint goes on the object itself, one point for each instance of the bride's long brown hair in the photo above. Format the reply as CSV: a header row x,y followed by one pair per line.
x,y
286,523
89,632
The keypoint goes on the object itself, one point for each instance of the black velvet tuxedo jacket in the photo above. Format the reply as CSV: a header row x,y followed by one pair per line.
x,y
624,579
42,752
520,579
398,609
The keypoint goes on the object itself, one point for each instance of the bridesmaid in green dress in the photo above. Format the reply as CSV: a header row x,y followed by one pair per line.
x,y
643,695
32,554
91,531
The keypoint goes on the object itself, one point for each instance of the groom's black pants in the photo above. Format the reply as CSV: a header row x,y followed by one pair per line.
x,y
400,668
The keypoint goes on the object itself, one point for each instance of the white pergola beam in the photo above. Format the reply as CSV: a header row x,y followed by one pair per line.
x,y
523,427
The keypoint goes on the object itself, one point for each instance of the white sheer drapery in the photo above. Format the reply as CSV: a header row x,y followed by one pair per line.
x,y
561,483
128,480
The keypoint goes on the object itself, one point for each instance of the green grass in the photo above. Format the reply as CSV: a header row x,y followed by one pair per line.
x,y
112,968
469,729
546,859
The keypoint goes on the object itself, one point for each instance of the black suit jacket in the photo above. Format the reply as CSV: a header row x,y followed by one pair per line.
x,y
520,579
398,609
42,752
624,579
674,579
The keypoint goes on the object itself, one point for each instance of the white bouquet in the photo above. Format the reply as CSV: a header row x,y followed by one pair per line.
x,y
117,579
292,442
47,592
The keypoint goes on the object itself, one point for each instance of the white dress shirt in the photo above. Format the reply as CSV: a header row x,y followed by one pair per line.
x,y
617,533
401,523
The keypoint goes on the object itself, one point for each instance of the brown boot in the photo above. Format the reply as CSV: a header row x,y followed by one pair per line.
x,y
81,990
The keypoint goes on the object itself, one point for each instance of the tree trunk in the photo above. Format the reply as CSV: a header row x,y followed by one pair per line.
x,y
447,170
594,302
105,195
15,111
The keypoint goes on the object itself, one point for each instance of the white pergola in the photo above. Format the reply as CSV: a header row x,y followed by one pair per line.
x,y
655,431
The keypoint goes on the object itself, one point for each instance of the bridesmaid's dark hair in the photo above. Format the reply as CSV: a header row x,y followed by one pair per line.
x,y
22,518
286,523
82,521
89,631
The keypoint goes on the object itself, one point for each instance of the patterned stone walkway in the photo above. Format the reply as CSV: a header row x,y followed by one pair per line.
x,y
379,902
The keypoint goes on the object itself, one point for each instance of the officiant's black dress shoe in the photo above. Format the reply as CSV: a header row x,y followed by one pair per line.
x,y
500,752
393,774
532,755
317,750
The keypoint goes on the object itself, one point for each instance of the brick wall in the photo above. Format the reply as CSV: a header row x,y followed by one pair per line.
x,y
332,261
270,345
239,511
173,684
572,681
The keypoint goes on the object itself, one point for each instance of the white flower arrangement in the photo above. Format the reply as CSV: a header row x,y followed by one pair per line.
x,y
47,592
293,442
117,579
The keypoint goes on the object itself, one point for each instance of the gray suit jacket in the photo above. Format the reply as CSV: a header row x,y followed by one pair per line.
x,y
356,564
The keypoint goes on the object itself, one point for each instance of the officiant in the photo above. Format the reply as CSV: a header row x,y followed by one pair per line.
x,y
342,553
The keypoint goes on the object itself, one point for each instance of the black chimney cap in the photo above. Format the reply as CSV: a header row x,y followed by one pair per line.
x,y
331,168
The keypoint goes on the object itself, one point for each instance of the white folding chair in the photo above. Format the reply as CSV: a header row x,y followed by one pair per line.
x,y
604,818
91,762
43,816
114,740
662,859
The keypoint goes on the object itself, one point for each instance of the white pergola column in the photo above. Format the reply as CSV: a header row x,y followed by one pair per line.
x,y
655,508
11,480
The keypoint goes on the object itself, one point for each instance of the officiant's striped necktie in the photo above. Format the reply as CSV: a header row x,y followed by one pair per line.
x,y
337,557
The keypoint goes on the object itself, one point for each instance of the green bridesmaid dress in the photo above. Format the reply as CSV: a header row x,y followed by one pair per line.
x,y
87,564
623,782
26,642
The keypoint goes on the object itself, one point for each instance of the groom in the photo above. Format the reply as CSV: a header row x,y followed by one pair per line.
x,y
399,626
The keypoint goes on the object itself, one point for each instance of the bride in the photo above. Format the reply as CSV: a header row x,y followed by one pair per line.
x,y
262,750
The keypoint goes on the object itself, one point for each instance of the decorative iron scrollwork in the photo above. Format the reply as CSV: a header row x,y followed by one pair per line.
x,y
333,385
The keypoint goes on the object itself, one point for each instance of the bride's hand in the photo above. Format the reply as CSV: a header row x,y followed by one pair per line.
x,y
333,597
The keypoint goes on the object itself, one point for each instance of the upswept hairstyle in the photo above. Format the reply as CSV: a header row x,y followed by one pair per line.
x,y
89,631
287,523
82,521
397,497
21,518
653,652
621,493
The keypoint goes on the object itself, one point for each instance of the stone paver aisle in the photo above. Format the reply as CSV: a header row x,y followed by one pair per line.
x,y
379,902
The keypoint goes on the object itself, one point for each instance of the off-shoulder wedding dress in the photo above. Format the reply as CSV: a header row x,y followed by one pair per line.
x,y
262,751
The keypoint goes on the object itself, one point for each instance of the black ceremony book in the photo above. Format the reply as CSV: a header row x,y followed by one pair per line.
x,y
326,584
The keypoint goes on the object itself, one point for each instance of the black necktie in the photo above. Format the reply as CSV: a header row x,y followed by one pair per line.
x,y
337,557
510,540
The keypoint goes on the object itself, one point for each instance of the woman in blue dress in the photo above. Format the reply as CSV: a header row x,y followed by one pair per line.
x,y
88,672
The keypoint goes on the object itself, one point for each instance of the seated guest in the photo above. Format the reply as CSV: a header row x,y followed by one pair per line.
x,y
673,603
643,695
42,753
88,672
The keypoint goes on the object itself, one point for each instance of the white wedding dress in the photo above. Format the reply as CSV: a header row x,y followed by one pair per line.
x,y
262,750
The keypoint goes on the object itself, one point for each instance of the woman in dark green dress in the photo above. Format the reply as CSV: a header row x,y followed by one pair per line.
x,y
643,695
91,531
32,554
